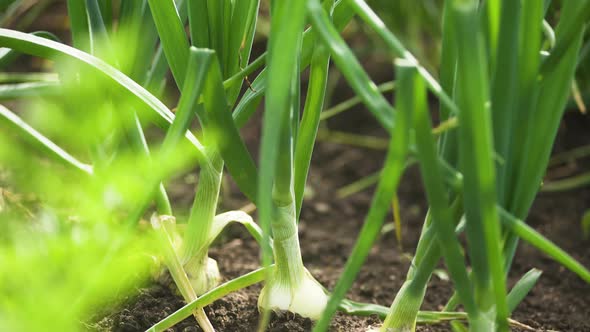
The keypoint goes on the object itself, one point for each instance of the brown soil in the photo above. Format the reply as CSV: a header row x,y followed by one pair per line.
x,y
328,227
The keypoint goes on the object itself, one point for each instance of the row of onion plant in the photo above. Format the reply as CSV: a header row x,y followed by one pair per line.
x,y
498,82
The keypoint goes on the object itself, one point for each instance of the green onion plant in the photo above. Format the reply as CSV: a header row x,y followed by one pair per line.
x,y
508,94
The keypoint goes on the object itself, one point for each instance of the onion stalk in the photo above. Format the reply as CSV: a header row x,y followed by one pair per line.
x,y
291,287
286,150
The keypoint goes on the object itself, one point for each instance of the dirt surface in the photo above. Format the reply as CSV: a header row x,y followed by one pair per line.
x,y
328,227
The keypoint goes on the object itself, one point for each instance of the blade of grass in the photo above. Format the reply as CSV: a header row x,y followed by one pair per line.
x,y
348,104
33,89
40,142
493,12
248,70
570,183
242,20
215,16
404,311
8,56
567,156
223,220
137,29
245,47
211,296
448,144
424,317
224,52
100,43
106,11
537,240
522,287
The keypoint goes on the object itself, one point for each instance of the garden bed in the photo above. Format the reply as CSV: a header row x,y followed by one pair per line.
x,y
329,226
559,301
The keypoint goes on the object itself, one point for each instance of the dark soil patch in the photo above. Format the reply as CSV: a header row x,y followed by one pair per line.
x,y
328,227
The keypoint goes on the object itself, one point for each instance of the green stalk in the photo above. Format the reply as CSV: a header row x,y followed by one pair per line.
x,y
213,114
443,223
408,300
522,288
314,103
197,237
289,285
493,13
476,160
287,20
448,72
211,296
504,94
165,229
404,310
393,169
289,264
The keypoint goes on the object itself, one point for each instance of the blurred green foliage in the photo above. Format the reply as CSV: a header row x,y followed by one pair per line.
x,y
64,251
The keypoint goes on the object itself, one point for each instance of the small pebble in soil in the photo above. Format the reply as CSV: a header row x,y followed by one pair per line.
x,y
322,207
190,329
